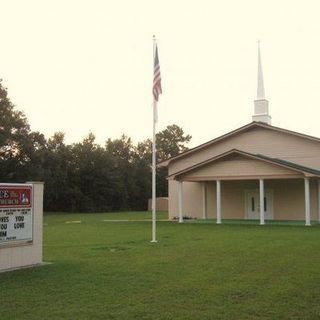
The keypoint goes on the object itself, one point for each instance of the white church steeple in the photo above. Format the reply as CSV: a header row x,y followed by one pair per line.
x,y
261,105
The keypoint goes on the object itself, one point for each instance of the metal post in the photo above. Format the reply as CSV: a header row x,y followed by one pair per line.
x,y
154,215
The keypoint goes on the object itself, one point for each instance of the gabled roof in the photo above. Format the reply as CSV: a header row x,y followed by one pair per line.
x,y
275,161
247,127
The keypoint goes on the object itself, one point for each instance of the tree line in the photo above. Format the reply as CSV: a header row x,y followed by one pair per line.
x,y
83,176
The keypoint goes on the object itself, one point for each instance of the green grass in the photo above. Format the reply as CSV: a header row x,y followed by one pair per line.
x,y
110,270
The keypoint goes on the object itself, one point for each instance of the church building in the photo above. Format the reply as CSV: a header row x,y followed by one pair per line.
x,y
256,172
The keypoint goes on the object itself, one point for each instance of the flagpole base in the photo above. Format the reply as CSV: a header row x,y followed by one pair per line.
x,y
153,241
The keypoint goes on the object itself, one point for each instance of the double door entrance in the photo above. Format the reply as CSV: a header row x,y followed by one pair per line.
x,y
253,204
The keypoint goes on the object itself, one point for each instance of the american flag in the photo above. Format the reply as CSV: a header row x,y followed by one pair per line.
x,y
156,77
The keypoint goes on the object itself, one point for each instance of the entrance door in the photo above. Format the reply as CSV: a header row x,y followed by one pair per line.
x,y
253,204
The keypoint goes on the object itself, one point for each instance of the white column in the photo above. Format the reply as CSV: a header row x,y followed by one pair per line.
x,y
180,191
261,189
307,201
218,201
204,200
319,200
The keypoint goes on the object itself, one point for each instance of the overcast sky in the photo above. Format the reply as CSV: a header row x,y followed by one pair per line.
x,y
80,66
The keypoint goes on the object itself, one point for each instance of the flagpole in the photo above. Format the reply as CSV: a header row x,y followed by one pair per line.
x,y
154,239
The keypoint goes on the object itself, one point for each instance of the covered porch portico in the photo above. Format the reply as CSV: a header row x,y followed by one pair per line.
x,y
238,185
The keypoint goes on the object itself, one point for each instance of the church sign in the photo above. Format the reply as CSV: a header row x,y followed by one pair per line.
x,y
16,213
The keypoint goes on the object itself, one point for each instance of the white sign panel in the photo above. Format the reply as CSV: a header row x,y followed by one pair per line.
x,y
16,208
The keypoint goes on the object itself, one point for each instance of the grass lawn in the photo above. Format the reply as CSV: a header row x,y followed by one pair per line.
x,y
110,270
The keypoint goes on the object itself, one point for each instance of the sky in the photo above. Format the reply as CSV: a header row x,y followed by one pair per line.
x,y
87,66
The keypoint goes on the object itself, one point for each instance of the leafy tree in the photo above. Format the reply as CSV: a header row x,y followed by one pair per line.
x,y
95,176
143,151
121,149
171,141
122,152
13,130
20,149
60,188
